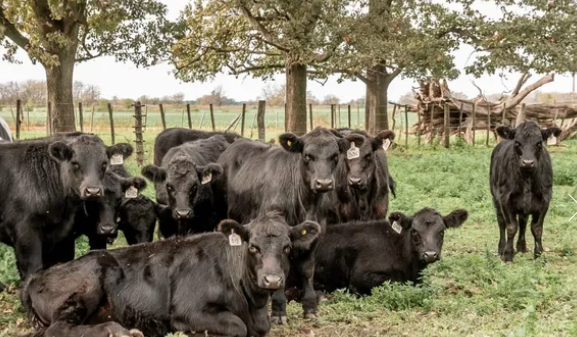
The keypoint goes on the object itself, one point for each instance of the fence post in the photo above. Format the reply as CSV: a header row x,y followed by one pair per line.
x,y
394,110
111,123
242,119
188,114
49,119
311,115
260,120
338,115
80,117
418,126
488,127
447,128
92,117
474,122
332,116
212,116
138,133
162,117
460,119
406,126
349,114
19,117
285,117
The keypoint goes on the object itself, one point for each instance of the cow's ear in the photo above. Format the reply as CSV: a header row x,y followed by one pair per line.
x,y
336,133
138,182
343,144
506,132
229,227
377,143
455,218
209,173
61,151
290,142
402,219
154,173
555,131
305,235
124,149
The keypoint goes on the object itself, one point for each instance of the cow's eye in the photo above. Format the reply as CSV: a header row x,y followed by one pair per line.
x,y
193,189
287,249
75,166
104,165
336,157
253,249
308,157
539,144
169,188
368,157
517,144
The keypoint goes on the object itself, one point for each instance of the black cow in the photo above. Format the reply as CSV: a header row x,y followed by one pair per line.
x,y
174,137
185,183
218,282
363,255
521,184
291,179
47,183
5,135
137,219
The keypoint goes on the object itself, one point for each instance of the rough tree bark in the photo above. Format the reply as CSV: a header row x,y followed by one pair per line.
x,y
296,97
59,81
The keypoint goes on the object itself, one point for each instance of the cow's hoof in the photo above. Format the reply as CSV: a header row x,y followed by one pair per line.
x,y
311,315
279,320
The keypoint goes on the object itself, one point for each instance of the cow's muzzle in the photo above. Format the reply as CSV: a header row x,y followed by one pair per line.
x,y
183,213
323,185
273,282
92,193
430,256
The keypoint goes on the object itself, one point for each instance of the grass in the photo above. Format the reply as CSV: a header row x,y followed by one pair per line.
x,y
470,292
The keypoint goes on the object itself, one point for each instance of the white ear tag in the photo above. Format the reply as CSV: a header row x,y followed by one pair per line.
x,y
552,140
116,159
131,192
386,144
353,152
206,178
396,227
234,239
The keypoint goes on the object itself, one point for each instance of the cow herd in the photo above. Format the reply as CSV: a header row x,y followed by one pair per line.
x,y
244,224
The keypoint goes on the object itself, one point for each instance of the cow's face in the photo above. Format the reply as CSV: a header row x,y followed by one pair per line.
x,y
426,230
84,161
361,156
320,150
269,241
184,180
528,138
137,218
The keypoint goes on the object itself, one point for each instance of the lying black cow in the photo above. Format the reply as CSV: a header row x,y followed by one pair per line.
x,y
363,255
185,183
291,179
217,282
174,137
521,184
47,183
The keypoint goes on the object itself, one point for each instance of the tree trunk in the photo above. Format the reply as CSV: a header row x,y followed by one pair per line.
x,y
376,100
296,98
59,82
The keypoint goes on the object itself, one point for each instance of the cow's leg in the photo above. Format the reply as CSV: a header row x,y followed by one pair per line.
x,y
521,243
202,322
309,301
537,230
278,315
60,253
512,227
502,228
28,251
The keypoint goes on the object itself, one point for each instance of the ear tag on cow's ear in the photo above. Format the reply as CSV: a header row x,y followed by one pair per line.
x,y
552,140
131,192
353,152
116,159
206,178
386,144
234,239
117,219
304,232
396,227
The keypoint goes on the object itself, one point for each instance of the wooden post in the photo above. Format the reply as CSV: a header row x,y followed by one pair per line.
x,y
162,117
460,119
311,115
111,123
80,117
242,119
92,118
49,119
474,122
406,126
393,121
138,133
260,120
418,126
432,110
188,114
332,116
212,117
349,114
338,115
488,127
447,132
504,114
358,115
19,117
285,117
521,115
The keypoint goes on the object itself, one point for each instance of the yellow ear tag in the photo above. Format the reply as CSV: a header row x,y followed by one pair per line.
x,y
304,232
289,143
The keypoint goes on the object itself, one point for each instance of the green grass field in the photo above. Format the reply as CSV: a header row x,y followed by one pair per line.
x,y
469,293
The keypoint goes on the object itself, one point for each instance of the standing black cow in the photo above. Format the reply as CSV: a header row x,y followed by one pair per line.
x,y
291,179
174,137
48,182
521,184
185,183
218,283
363,255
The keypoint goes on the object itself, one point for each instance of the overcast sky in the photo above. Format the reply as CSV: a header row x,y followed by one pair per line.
x,y
125,80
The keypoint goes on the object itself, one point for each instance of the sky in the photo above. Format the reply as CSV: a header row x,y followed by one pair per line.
x,y
125,80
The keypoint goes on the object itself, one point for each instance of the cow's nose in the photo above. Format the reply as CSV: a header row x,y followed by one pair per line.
x,y
323,185
92,192
273,281
107,229
354,181
528,163
183,212
430,256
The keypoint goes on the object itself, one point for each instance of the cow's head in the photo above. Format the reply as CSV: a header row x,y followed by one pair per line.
x,y
269,241
528,138
320,150
137,219
84,161
426,230
185,183
361,156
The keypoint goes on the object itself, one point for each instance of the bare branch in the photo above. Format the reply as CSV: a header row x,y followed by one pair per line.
x,y
478,88
524,78
518,98
258,26
12,32
255,68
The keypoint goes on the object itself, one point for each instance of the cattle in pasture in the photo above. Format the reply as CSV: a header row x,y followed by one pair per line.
x,y
364,254
174,137
49,181
186,183
521,178
216,283
137,219
5,135
292,179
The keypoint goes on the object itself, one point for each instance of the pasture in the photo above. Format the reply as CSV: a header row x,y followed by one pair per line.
x,y
470,292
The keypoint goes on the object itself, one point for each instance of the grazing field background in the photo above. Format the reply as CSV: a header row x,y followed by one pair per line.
x,y
470,292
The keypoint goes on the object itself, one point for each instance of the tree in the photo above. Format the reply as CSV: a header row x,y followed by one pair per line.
x,y
274,95
331,99
216,97
311,98
59,34
262,38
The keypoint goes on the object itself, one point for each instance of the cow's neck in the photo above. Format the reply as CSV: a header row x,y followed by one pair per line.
x,y
413,266
255,296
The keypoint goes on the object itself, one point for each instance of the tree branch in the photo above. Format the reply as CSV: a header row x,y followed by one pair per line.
x,y
520,84
269,38
12,32
518,98
255,68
